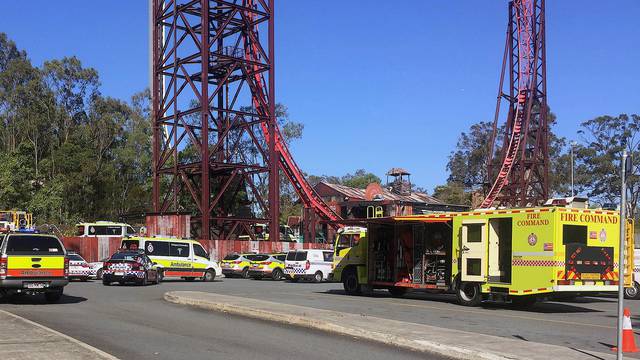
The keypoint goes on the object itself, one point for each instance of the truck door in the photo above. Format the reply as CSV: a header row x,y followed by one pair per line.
x,y
473,250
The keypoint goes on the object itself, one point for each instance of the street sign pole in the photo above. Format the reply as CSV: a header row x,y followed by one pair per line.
x,y
621,266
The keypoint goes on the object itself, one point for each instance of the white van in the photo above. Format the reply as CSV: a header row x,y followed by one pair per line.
x,y
179,258
308,264
104,228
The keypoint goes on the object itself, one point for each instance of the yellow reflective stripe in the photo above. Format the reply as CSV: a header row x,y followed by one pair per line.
x,y
26,262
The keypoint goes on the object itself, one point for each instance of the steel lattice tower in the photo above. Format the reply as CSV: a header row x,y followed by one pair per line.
x,y
214,125
523,175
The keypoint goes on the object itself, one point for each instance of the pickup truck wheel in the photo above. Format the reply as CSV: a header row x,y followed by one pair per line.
x,y
397,291
633,292
350,283
53,296
469,294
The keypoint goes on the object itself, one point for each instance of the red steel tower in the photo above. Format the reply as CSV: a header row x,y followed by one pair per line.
x,y
522,177
213,99
217,149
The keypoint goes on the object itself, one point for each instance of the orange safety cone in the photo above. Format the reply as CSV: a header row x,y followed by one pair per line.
x,y
628,340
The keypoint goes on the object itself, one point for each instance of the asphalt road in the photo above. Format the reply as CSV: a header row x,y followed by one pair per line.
x,y
585,323
129,320
136,323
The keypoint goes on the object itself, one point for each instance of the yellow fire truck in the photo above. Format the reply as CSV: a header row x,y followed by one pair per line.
x,y
14,220
518,255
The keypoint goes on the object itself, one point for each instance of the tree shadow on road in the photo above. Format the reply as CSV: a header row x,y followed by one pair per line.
x,y
415,297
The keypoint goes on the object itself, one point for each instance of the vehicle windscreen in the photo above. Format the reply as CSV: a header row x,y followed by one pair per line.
x,y
297,256
125,257
126,244
260,257
75,257
32,244
252,257
231,257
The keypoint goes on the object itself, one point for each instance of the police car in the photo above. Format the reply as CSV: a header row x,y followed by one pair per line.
x,y
315,265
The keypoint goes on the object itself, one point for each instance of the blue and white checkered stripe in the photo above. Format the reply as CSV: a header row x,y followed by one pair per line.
x,y
295,271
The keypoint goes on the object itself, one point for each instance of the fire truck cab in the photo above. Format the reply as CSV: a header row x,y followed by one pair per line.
x,y
517,255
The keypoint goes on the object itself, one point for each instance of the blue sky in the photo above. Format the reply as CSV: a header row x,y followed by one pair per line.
x,y
377,83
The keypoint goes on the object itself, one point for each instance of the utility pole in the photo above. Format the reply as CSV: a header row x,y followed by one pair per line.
x,y
573,144
621,265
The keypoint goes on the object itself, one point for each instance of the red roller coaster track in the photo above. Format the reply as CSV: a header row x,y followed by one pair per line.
x,y
522,179
309,198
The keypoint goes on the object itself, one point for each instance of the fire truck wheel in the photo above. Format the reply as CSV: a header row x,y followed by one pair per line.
x,y
397,291
350,283
469,294
632,293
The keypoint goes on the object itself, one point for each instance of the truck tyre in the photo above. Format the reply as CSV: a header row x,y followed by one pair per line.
x,y
468,294
53,296
317,277
397,291
633,292
350,283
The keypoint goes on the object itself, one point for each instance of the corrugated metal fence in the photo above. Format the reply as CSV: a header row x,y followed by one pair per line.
x,y
98,248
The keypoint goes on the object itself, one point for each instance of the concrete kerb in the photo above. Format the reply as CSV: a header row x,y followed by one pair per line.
x,y
88,350
425,346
